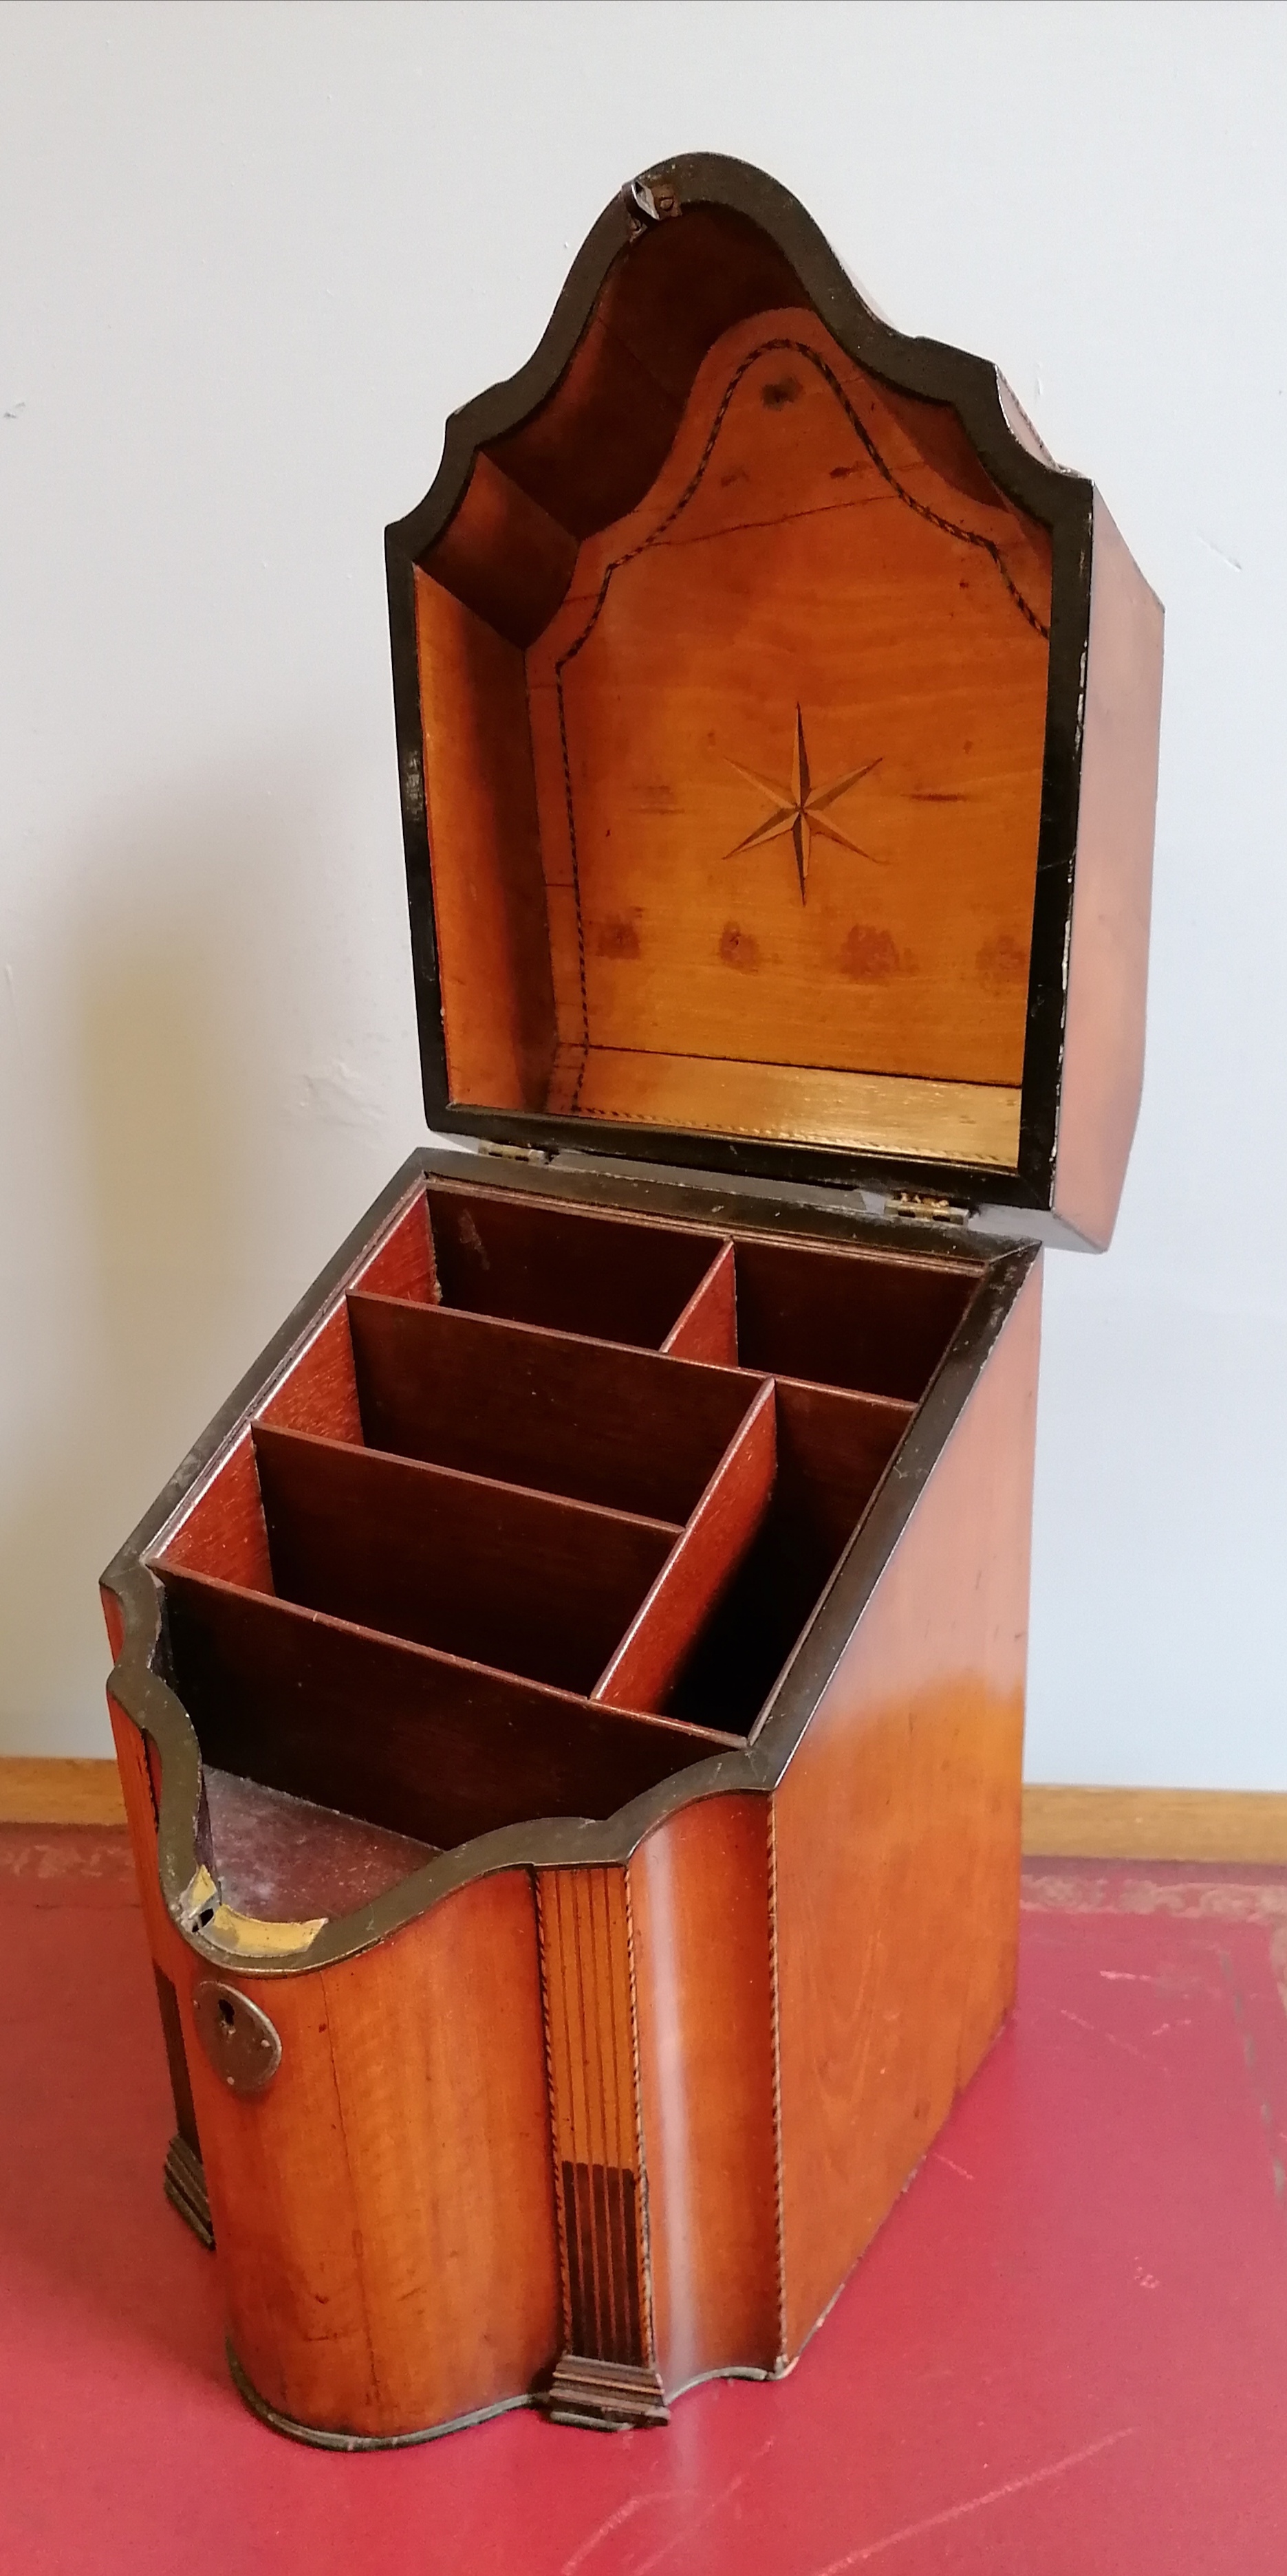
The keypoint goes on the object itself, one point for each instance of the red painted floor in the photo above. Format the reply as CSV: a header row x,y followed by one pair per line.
x,y
1065,2354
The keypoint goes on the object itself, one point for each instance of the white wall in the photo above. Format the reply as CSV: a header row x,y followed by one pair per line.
x,y
251,257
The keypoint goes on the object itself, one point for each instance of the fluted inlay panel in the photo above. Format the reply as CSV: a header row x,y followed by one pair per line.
x,y
589,2010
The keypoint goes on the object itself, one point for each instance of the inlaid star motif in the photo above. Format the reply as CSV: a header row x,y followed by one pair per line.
x,y
799,810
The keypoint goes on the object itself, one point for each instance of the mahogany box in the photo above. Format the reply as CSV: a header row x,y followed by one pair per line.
x,y
570,1702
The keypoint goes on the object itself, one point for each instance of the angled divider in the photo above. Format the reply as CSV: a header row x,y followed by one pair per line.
x,y
424,1744
573,1270
627,1428
707,1328
528,1582
699,1568
832,1449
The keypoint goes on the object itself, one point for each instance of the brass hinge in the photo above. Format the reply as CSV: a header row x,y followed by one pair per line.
x,y
513,1153
927,1211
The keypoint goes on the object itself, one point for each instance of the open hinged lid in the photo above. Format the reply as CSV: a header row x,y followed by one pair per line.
x,y
778,730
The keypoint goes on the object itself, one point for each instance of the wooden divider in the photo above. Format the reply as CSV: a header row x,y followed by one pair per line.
x,y
874,1323
707,1329
529,1582
627,1428
832,1449
426,1744
570,1269
699,1568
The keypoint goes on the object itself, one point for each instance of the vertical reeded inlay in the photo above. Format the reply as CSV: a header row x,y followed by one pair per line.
x,y
589,2014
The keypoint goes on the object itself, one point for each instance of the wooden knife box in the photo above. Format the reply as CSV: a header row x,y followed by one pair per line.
x,y
570,1702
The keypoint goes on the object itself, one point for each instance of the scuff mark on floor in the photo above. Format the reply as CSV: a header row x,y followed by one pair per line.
x,y
680,2539
973,2504
614,2522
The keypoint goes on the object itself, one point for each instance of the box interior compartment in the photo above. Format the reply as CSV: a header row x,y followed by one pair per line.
x,y
471,1563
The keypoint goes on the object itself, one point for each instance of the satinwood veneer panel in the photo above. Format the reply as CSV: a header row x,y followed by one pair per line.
x,y
383,2212
1103,1068
897,1840
702,1896
821,565
788,727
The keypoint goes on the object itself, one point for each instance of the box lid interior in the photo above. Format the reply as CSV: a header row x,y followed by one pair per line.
x,y
740,657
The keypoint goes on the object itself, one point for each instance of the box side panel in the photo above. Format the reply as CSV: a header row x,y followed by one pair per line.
x,y
1108,961
897,1836
383,2211
700,1894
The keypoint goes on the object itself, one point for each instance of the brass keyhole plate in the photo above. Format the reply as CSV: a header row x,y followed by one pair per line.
x,y
239,2039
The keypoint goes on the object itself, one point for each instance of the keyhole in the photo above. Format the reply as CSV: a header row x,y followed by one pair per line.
x,y
227,2014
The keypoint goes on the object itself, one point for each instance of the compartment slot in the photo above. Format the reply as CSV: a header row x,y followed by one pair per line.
x,y
832,1449
625,1428
866,1321
608,1277
524,1581
423,1744
699,1569
707,1329
320,1392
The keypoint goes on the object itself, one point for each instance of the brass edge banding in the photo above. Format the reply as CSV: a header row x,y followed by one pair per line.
x,y
319,2440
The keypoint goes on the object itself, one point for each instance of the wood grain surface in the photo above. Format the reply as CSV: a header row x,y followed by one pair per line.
x,y
1103,1067
846,1319
954,1122
530,1582
566,1268
707,1328
699,1568
897,1842
588,1990
383,2212
420,1743
821,611
59,1789
631,1429
702,1909
489,897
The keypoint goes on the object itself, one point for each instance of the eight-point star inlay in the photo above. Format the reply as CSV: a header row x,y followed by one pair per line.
x,y
800,809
